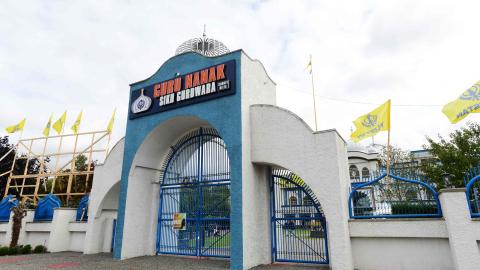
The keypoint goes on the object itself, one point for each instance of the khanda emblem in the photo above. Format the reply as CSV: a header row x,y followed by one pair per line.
x,y
370,121
142,103
472,94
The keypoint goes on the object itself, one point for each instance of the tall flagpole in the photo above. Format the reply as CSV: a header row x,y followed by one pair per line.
x,y
389,148
313,93
58,155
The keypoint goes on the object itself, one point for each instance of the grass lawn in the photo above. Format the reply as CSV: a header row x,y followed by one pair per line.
x,y
220,241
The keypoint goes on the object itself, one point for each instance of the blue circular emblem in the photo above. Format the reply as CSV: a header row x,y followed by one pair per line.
x,y
141,104
471,94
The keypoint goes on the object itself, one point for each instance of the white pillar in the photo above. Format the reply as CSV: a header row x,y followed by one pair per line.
x,y
59,239
463,233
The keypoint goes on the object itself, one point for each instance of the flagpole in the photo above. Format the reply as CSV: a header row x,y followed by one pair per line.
x,y
58,155
109,135
388,152
313,93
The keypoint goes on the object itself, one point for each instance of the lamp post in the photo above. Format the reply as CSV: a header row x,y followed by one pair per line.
x,y
447,180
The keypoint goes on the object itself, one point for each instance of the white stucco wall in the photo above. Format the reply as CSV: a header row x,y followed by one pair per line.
x,y
281,138
6,232
414,244
257,88
463,232
56,235
141,210
402,253
60,235
103,202
421,228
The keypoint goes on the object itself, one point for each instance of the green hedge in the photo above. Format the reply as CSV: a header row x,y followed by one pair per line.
x,y
27,249
405,208
40,249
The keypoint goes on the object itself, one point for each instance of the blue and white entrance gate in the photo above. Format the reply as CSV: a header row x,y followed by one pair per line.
x,y
196,189
299,232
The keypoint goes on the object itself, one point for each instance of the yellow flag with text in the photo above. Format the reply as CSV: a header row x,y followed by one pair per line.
x,y
372,123
46,130
468,102
58,125
110,123
17,127
76,125
309,66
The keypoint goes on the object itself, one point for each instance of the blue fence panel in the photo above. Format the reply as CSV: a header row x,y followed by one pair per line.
x,y
45,207
6,206
472,192
82,210
392,196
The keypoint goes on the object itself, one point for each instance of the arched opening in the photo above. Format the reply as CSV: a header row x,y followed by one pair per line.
x,y
299,226
194,211
365,173
354,173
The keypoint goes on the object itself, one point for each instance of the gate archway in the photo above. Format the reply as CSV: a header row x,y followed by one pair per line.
x,y
195,194
298,224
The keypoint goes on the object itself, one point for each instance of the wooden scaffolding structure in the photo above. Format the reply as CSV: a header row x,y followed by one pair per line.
x,y
65,178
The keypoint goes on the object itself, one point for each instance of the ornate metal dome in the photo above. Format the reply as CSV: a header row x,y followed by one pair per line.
x,y
205,46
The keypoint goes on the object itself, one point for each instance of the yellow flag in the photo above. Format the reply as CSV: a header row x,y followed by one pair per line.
x,y
309,65
46,130
468,102
76,125
110,123
372,123
17,127
58,125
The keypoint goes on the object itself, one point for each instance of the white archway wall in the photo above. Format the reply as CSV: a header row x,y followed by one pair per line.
x,y
103,201
141,209
281,138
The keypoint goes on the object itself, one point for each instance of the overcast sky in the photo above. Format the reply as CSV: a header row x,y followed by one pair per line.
x,y
72,55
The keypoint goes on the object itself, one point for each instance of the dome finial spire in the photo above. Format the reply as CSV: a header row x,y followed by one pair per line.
x,y
203,45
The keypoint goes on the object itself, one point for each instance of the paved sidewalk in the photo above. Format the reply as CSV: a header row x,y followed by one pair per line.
x,y
73,260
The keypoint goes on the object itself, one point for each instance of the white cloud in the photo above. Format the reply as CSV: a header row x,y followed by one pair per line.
x,y
71,55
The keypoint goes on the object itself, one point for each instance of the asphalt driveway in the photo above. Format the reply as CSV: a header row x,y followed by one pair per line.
x,y
73,260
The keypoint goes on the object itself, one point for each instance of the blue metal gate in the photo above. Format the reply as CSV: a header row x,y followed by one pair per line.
x,y
299,232
196,186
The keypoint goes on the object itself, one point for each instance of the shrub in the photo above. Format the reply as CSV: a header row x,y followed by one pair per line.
x,y
40,249
409,208
12,251
4,251
27,249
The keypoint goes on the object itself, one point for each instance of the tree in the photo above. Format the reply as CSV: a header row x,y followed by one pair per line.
x,y
79,181
403,165
19,168
19,212
454,155
399,158
5,163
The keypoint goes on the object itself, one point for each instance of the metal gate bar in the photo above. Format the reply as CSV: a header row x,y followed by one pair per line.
x,y
196,182
299,231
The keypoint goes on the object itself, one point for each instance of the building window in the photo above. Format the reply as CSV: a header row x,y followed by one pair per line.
x,y
354,173
292,200
307,201
365,173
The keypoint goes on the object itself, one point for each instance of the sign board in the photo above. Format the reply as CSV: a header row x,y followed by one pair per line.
x,y
180,221
194,87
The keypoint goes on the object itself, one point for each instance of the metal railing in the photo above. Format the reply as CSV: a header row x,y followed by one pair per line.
x,y
472,191
392,196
